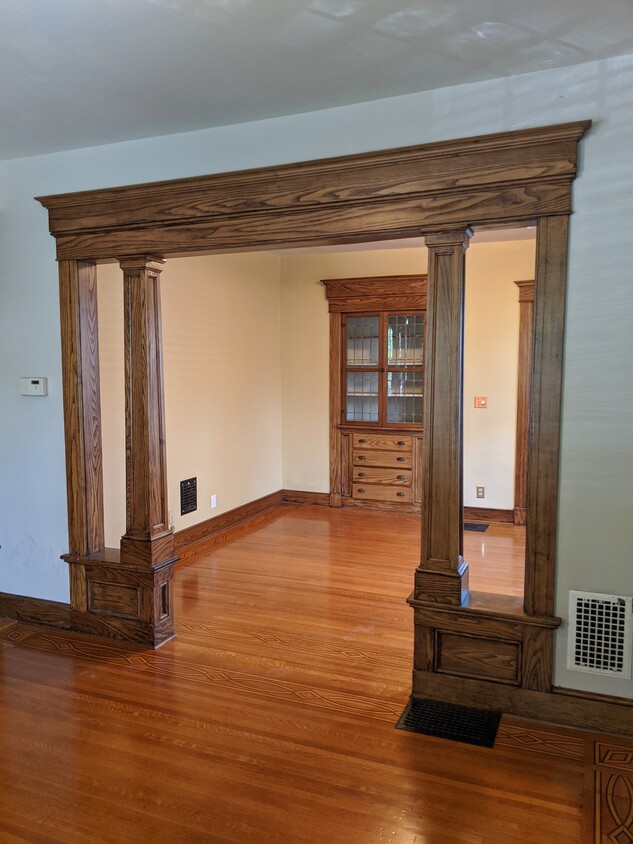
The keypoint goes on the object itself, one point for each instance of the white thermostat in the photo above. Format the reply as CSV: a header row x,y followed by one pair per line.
x,y
33,386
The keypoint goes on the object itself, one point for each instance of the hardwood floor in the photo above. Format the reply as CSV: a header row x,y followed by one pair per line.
x,y
270,718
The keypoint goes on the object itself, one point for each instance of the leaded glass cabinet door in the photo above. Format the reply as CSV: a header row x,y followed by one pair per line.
x,y
405,358
362,381
384,357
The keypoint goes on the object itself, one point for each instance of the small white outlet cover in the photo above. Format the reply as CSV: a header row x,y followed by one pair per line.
x,y
214,502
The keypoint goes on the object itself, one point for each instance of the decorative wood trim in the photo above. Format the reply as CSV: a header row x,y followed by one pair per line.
x,y
443,187
390,292
297,496
336,412
198,539
82,405
526,317
564,709
608,809
148,537
593,697
201,538
545,409
488,514
442,576
35,610
394,193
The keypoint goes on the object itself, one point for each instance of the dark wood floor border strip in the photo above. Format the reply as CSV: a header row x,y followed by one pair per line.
x,y
568,710
488,514
35,610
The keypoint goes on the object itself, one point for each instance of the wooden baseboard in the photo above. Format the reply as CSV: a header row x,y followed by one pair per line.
x,y
561,706
297,496
488,514
201,538
35,610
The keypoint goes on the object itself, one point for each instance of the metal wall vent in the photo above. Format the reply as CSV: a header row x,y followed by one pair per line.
x,y
600,634
188,496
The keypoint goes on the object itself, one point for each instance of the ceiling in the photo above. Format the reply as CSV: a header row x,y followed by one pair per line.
x,y
79,73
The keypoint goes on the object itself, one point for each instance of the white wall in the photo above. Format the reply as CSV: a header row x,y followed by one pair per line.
x,y
222,368
596,494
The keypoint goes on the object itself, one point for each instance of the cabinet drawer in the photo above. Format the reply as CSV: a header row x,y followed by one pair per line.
x,y
376,492
385,459
391,477
383,442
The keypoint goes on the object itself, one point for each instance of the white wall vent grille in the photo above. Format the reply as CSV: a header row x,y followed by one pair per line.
x,y
600,629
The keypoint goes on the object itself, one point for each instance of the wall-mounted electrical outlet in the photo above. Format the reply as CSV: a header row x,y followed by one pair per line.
x,y
214,502
481,491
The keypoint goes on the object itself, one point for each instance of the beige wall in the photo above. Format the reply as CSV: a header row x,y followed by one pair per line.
x,y
221,332
246,358
491,336
490,359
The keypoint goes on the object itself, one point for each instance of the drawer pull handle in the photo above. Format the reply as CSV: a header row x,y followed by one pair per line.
x,y
362,442
360,489
401,494
399,477
361,457
401,442
361,474
399,459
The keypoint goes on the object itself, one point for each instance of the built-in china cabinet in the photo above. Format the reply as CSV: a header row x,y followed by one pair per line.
x,y
376,390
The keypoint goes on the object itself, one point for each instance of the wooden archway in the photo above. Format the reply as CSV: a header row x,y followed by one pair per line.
x,y
468,645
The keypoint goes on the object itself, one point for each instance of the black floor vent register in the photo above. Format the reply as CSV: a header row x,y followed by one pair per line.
x,y
473,526
449,721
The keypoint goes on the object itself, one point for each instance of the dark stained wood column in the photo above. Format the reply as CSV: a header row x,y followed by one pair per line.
x,y
82,417
526,316
545,412
148,538
442,577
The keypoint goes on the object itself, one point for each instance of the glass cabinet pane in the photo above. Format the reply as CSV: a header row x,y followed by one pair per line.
x,y
362,341
362,396
404,397
405,339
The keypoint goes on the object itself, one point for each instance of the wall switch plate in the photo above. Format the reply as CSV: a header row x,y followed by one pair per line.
x,y
34,386
214,502
481,491
481,401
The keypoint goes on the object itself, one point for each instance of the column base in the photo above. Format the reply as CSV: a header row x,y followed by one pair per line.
x,y
118,600
442,587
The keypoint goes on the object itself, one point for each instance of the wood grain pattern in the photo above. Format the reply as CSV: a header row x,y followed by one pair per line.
x,y
147,536
394,293
270,717
339,485
425,190
442,498
545,409
475,656
608,818
526,317
82,405
34,610
492,170
488,514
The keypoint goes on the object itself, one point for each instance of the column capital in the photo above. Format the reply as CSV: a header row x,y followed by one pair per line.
x,y
526,290
452,237
140,263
